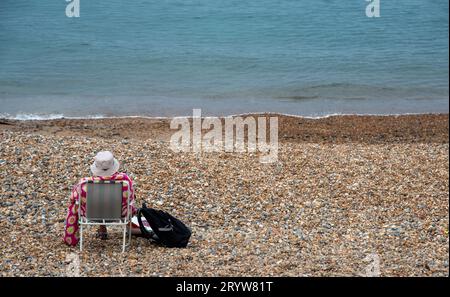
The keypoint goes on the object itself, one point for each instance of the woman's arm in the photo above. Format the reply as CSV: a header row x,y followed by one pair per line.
x,y
132,196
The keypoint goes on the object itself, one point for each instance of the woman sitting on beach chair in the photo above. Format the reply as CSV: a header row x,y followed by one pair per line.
x,y
105,167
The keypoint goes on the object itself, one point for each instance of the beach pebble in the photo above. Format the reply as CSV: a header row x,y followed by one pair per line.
x,y
322,209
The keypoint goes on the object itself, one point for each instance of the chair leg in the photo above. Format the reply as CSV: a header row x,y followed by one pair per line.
x,y
81,238
129,234
124,237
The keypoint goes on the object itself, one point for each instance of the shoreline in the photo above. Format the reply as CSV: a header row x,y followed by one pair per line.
x,y
425,128
52,117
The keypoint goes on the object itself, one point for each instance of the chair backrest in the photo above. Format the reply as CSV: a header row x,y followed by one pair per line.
x,y
104,200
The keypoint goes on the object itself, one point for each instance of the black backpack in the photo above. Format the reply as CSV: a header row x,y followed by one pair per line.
x,y
169,231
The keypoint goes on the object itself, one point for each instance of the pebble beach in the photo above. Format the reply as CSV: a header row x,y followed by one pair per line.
x,y
346,192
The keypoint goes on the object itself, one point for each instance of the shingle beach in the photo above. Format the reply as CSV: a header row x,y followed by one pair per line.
x,y
346,190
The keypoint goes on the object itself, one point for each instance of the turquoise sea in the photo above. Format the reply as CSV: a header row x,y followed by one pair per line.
x,y
165,57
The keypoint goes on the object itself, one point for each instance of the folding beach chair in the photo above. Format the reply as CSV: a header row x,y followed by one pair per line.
x,y
104,207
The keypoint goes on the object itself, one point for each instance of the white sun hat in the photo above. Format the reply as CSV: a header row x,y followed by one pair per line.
x,y
104,164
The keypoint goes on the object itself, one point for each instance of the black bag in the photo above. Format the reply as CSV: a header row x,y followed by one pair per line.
x,y
169,231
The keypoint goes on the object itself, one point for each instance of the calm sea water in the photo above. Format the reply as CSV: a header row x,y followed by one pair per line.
x,y
165,57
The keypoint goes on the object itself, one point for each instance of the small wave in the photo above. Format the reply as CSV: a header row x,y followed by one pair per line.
x,y
39,117
338,85
299,97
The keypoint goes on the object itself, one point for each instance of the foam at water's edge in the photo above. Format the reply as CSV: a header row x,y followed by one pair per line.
x,y
31,117
35,117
